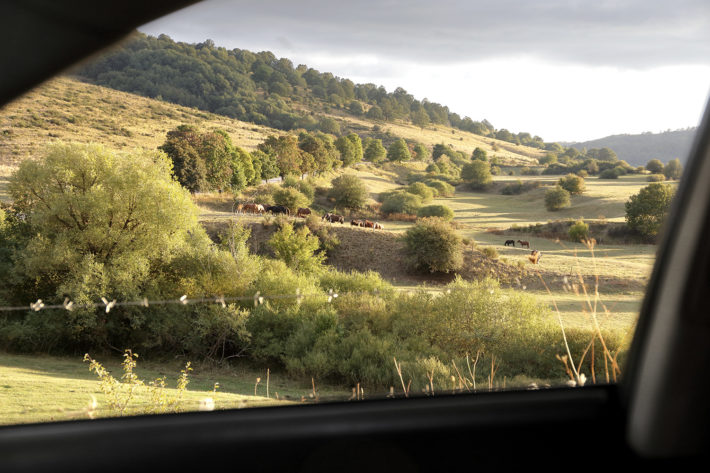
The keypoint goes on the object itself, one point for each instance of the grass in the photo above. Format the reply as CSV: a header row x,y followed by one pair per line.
x,y
69,110
41,388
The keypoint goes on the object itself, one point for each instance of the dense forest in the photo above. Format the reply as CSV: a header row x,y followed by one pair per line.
x,y
638,149
263,89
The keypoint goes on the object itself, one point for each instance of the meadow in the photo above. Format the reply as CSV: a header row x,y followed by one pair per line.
x,y
40,388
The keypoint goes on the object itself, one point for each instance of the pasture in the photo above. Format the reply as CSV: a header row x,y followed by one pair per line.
x,y
41,388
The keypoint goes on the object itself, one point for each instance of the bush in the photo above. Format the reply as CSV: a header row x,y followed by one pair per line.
x,y
422,190
656,178
572,184
444,189
526,171
441,211
579,231
556,199
290,198
401,202
646,211
348,191
433,245
513,188
326,235
490,252
673,170
297,249
609,174
304,187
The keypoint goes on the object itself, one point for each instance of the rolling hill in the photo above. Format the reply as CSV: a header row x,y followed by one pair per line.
x,y
638,149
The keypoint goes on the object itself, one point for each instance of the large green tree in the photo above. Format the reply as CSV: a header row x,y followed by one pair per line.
x,y
398,151
673,170
477,174
646,211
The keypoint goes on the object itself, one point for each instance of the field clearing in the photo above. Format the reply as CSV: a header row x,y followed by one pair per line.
x,y
67,109
41,388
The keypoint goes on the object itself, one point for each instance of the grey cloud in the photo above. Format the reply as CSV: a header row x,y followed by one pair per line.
x,y
633,34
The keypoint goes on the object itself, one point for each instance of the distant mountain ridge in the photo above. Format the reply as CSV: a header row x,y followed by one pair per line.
x,y
641,148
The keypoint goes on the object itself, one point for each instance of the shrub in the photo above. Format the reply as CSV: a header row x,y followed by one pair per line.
x,y
441,211
304,187
290,198
297,249
348,191
572,184
578,231
656,178
422,190
655,166
609,174
646,211
556,199
526,171
326,235
444,189
433,245
673,170
401,202
513,188
490,252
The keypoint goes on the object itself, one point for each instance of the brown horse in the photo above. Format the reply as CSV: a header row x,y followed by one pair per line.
x,y
369,224
535,256
303,212
524,244
356,223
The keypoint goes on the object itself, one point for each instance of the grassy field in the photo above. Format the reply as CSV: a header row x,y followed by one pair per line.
x,y
69,110
39,388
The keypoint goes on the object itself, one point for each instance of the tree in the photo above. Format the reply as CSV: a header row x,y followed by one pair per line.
x,y
572,184
556,199
398,151
291,198
673,170
655,166
375,113
646,211
479,154
420,118
477,174
375,152
355,108
285,150
401,202
350,148
441,211
328,125
348,191
181,146
433,245
99,222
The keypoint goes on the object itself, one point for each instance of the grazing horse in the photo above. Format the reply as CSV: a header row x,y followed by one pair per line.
x,y
239,208
356,223
524,244
510,242
333,218
535,256
278,209
303,212
378,226
369,224
252,208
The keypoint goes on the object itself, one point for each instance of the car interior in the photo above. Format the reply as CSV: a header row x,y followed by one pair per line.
x,y
658,414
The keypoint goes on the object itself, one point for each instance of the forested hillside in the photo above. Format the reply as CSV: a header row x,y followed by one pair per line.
x,y
263,89
639,149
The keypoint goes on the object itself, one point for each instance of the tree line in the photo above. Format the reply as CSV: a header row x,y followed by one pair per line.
x,y
261,88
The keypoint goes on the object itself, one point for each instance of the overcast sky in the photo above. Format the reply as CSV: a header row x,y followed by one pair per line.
x,y
564,70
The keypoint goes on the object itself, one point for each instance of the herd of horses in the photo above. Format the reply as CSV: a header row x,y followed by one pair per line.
x,y
534,256
260,209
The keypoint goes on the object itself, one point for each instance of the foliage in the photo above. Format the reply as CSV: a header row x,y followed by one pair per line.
x,y
477,174
673,170
578,231
572,184
291,198
444,189
655,166
441,211
421,152
656,178
433,245
348,191
422,190
612,173
479,154
298,249
398,151
646,211
401,203
375,152
490,252
557,198
350,148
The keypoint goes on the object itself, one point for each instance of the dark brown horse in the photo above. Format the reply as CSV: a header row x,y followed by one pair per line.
x,y
510,242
